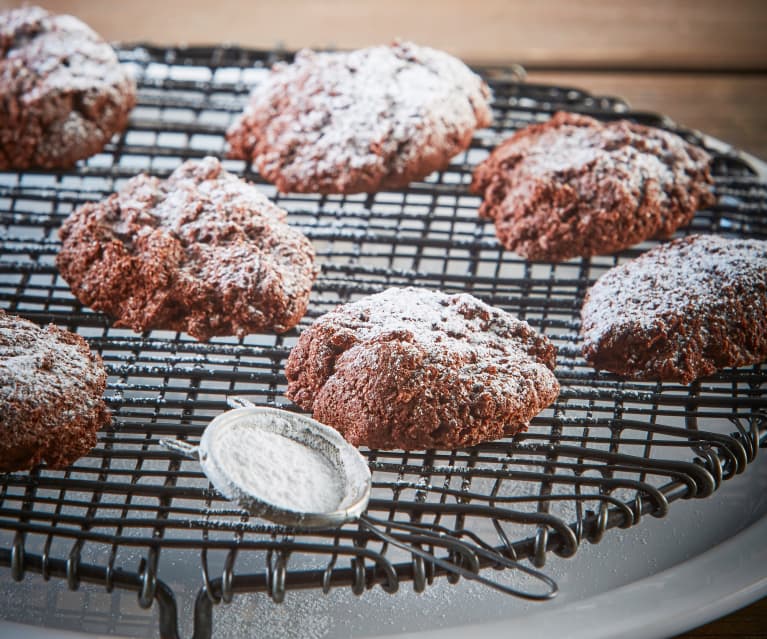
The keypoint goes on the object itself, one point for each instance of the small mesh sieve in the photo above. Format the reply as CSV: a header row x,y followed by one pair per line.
x,y
295,471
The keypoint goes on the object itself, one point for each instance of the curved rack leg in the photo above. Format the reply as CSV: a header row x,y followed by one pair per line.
x,y
168,611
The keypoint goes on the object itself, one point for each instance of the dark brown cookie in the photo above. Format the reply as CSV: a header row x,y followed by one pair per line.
x,y
202,252
413,369
360,121
63,93
574,186
680,311
51,389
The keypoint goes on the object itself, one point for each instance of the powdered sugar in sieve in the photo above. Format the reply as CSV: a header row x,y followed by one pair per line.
x,y
284,467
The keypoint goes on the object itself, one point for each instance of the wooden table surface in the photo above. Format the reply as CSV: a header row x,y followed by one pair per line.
x,y
731,107
703,63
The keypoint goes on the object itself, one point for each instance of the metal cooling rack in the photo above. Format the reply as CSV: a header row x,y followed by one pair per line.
x,y
608,453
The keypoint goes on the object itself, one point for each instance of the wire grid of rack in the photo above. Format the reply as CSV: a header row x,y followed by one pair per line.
x,y
606,454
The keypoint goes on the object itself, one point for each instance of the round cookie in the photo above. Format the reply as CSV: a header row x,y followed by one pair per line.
x,y
51,389
680,311
202,252
414,369
360,121
63,93
574,186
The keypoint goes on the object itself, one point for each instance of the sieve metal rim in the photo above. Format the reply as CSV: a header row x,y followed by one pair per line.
x,y
353,469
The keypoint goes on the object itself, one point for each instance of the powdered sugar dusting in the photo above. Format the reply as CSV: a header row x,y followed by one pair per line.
x,y
413,368
285,467
686,276
234,233
59,53
276,469
50,395
574,186
701,298
66,92
454,331
629,156
202,251
374,112
36,363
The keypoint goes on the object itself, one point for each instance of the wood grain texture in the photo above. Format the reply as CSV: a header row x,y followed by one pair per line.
x,y
730,107
747,623
654,33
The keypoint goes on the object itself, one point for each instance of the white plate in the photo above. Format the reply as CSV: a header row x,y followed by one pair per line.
x,y
678,597
705,559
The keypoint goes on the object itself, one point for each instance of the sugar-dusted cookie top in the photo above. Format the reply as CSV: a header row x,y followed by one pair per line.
x,y
203,252
360,121
574,186
412,368
51,388
63,93
680,311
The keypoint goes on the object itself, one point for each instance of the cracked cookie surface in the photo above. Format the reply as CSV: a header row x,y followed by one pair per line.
x,y
360,121
575,186
416,369
51,388
203,252
680,311
63,93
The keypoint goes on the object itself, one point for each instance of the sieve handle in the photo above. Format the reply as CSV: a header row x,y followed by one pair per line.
x,y
193,452
464,548
234,401
181,447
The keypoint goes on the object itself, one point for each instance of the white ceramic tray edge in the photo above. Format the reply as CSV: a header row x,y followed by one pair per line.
x,y
706,587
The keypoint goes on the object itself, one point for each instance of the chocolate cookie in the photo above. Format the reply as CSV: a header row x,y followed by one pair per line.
x,y
414,369
574,186
360,121
202,252
63,93
51,389
680,311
